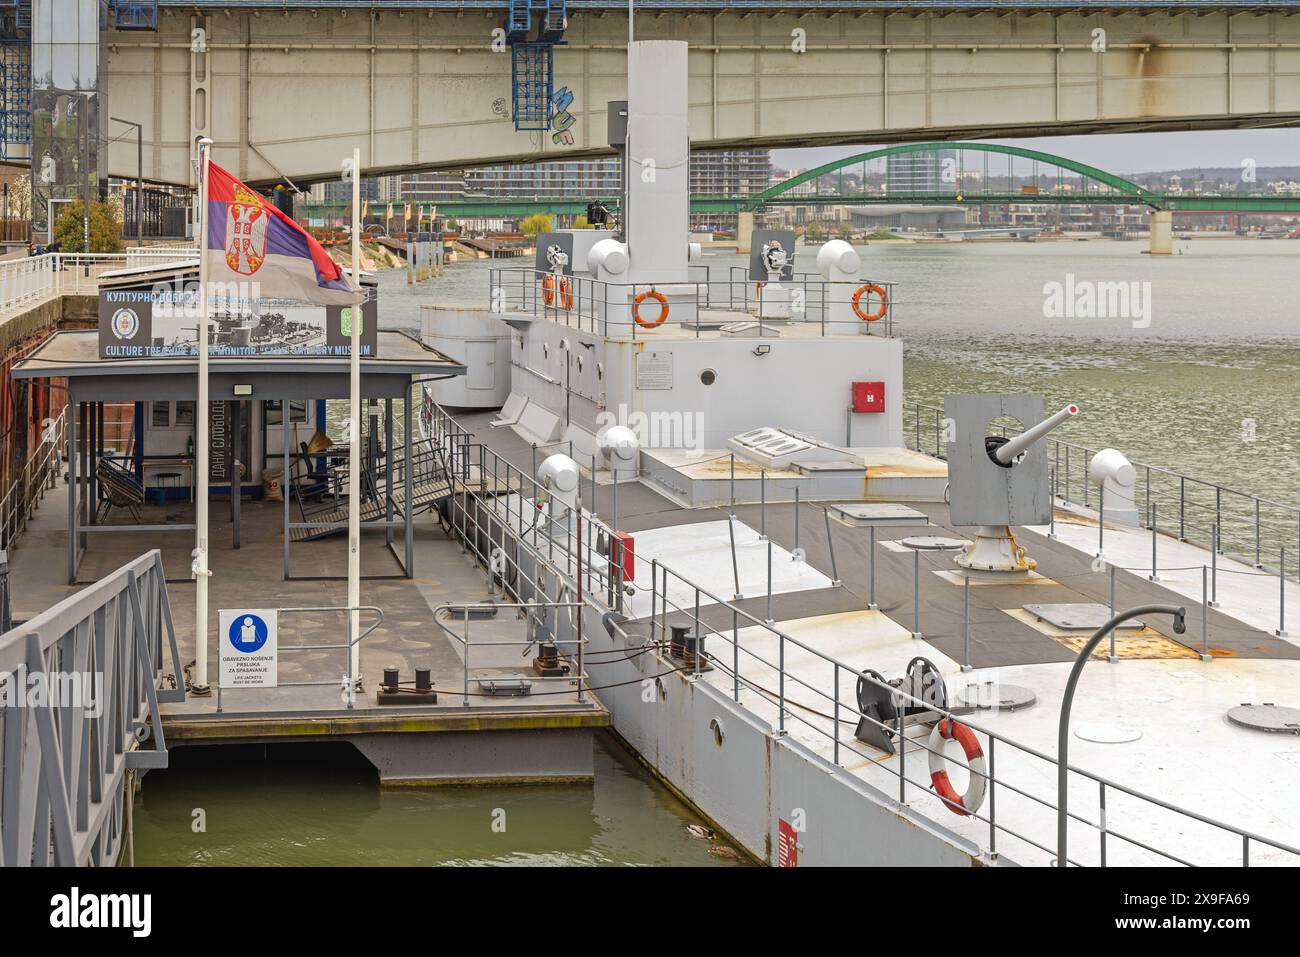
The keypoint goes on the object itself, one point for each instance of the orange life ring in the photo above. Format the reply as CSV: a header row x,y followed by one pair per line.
x,y
663,308
960,804
566,293
548,288
758,287
879,290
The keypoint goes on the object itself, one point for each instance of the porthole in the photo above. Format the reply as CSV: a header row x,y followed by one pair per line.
x,y
708,377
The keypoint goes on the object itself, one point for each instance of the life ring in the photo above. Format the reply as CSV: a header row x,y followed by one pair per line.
x,y
548,288
663,308
566,293
960,804
879,290
758,287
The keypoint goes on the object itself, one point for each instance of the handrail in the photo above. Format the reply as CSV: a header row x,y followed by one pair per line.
x,y
1246,526
77,751
458,441
39,473
606,308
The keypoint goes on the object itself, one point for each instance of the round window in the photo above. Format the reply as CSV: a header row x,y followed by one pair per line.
x,y
708,377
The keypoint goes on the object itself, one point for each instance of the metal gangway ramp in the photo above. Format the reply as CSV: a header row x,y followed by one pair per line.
x,y
70,756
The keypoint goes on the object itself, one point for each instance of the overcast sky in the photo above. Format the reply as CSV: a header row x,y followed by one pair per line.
x,y
1122,153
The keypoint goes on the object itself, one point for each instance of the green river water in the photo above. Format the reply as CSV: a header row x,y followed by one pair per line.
x,y
1209,387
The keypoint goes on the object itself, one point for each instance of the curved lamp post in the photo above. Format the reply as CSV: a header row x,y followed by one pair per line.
x,y
1063,731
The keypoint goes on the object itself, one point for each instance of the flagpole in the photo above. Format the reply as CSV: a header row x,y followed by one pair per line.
x,y
354,448
201,451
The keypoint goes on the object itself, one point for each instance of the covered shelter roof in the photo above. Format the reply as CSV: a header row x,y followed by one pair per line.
x,y
74,355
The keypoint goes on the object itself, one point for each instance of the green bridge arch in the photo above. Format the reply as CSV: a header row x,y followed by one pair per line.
x,y
1122,186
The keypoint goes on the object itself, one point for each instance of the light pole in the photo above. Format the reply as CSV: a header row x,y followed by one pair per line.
x,y
1063,731
139,176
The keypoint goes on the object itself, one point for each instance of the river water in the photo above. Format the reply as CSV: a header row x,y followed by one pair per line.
x,y
1207,381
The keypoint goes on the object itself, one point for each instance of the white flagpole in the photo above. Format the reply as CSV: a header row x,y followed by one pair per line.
x,y
354,449
200,564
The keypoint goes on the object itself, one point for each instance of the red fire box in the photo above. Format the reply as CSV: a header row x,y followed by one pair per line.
x,y
868,397
628,548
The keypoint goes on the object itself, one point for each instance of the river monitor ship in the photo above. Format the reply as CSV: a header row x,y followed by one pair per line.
x,y
692,515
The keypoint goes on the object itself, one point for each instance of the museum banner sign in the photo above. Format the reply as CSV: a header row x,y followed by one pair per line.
x,y
159,322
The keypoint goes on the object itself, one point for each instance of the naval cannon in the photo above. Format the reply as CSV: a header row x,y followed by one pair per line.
x,y
997,481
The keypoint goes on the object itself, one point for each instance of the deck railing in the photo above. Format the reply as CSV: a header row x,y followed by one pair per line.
x,y
605,308
68,755
1256,530
37,476
1018,776
25,282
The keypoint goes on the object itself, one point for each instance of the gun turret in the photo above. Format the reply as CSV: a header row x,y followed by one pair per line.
x,y
1006,452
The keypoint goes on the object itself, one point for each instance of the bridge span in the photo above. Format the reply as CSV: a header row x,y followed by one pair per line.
x,y
288,88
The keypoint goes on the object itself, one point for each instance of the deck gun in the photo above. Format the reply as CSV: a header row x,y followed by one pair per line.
x,y
997,481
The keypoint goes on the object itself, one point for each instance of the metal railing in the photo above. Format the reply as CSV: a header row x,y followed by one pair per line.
x,y
1249,527
25,282
68,756
539,615
1027,817
606,308
38,475
798,701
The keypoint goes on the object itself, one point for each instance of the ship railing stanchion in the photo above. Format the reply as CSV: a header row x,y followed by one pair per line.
x,y
699,639
993,799
1153,576
1258,562
1205,614
1101,819
735,567
781,680
835,722
1051,503
1214,566
769,582
794,554
762,513
1112,658
871,548
735,655
965,622
733,484
1281,594
830,544
1101,523
916,594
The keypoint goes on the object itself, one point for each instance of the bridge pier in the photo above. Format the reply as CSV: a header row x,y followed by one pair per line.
x,y
744,229
1162,232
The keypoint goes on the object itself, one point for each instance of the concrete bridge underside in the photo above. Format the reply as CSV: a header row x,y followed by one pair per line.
x,y
288,94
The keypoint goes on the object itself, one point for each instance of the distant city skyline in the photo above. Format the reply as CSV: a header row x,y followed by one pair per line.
x,y
1119,153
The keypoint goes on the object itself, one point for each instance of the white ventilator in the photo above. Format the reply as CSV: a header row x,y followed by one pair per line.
x,y
559,475
840,265
619,446
1112,472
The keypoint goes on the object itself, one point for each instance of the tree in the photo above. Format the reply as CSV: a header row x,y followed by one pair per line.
x,y
105,228
537,223
20,197
580,222
814,231
451,226
845,230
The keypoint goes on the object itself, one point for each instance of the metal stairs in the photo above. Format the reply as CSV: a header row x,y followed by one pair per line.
x,y
532,59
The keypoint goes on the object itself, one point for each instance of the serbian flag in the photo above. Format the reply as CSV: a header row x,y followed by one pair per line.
x,y
250,241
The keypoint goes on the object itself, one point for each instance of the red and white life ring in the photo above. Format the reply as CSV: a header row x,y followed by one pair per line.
x,y
960,804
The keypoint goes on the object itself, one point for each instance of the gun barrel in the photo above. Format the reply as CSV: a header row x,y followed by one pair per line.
x,y
1018,443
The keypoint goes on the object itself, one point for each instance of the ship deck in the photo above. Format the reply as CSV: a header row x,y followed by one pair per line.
x,y
309,703
1152,721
